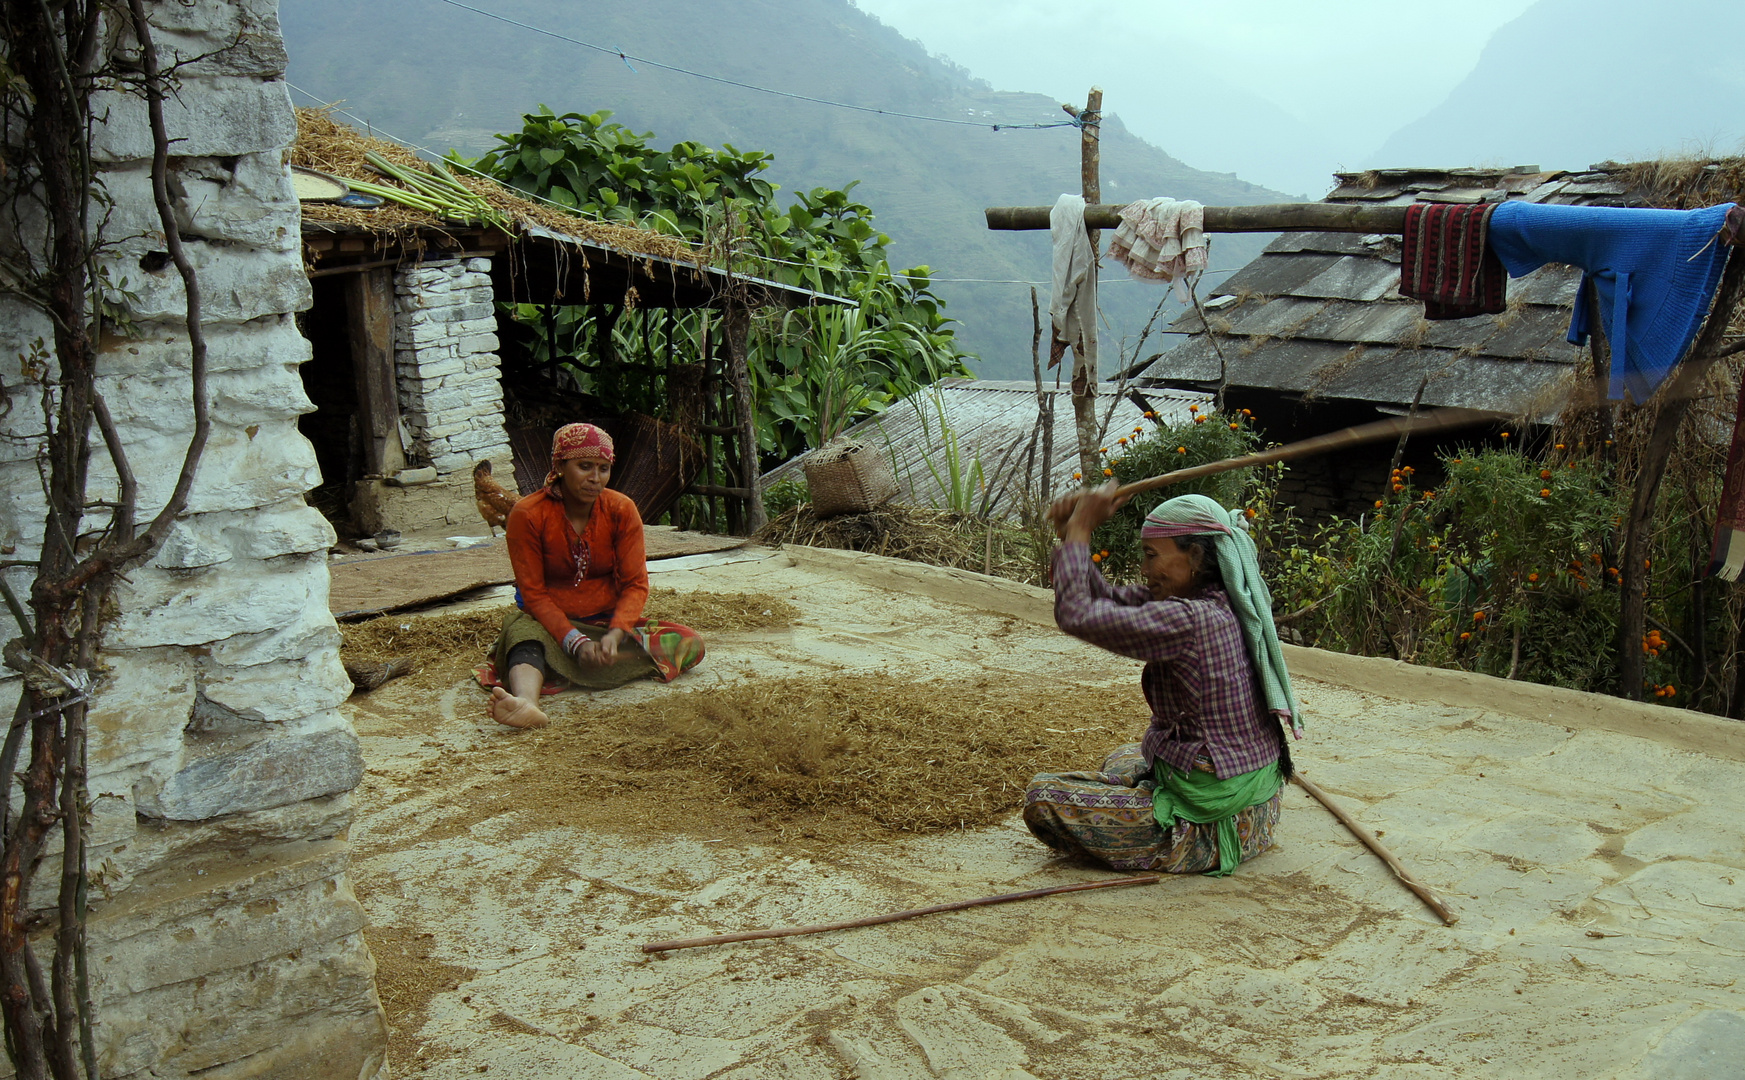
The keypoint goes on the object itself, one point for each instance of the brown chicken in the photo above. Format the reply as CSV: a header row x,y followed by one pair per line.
x,y
494,503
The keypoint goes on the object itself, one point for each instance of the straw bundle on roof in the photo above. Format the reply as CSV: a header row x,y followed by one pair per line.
x,y
330,146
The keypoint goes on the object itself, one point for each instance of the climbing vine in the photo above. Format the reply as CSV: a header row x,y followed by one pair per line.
x,y
55,60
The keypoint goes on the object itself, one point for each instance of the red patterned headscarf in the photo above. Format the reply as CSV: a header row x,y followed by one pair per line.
x,y
578,441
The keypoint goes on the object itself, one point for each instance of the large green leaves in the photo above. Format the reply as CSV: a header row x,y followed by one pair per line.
x,y
814,371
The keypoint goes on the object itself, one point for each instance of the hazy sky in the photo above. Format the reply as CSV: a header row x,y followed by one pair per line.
x,y
1279,91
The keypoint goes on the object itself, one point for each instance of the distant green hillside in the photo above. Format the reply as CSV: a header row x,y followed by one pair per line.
x,y
441,76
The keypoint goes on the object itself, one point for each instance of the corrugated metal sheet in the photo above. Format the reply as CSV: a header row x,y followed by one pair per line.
x,y
993,422
1320,314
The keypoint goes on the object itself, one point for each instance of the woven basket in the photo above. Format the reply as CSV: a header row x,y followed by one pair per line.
x,y
847,478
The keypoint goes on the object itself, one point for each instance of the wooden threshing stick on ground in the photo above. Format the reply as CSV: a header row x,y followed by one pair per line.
x,y
752,935
1375,845
1393,427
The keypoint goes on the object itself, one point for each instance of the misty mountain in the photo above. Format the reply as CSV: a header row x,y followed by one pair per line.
x,y
1573,82
440,76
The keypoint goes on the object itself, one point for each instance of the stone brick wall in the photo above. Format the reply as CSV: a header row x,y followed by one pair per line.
x,y
224,936
445,356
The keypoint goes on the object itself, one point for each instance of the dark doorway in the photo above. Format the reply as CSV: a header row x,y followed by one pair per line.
x,y
330,380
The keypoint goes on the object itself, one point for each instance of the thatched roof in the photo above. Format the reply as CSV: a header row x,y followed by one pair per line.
x,y
326,144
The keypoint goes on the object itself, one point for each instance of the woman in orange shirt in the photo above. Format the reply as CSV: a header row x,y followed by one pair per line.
x,y
581,581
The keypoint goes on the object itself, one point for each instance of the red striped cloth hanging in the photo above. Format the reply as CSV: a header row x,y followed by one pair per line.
x,y
1447,262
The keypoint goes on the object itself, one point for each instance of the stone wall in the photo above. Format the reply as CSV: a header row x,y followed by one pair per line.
x,y
451,396
224,936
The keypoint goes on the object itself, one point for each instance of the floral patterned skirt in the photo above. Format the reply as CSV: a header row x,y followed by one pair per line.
x,y
1106,817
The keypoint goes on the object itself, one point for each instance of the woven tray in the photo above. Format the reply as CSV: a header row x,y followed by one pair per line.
x,y
847,478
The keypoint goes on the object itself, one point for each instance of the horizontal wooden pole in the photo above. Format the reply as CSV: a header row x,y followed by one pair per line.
x,y
718,490
1280,217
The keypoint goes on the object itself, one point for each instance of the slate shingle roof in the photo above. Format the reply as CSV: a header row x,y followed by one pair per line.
x,y
1319,315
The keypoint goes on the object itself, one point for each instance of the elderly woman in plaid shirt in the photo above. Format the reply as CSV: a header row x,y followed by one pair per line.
x,y
1201,791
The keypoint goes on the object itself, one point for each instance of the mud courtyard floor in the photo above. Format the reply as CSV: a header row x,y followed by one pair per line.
x,y
1599,876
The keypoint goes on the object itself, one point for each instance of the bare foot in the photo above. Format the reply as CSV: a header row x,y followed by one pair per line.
x,y
506,708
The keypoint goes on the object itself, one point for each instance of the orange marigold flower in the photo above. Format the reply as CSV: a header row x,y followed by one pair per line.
x,y
1108,472
1181,449
1149,415
1245,412
1078,476
1505,434
1465,634
1545,493
1199,419
1532,577
1122,441
1096,558
1193,408
1233,427
1544,474
1478,616
1378,504
1560,446
1102,449
1251,514
1671,690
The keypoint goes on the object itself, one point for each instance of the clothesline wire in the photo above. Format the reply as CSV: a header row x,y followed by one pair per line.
x,y
628,57
375,129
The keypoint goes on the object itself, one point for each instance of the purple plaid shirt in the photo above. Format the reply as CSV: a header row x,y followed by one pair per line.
x,y
1198,679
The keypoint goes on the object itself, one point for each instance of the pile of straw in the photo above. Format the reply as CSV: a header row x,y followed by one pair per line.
x,y
814,761
330,146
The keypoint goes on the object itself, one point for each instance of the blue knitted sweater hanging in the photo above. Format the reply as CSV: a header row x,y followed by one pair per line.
x,y
1654,272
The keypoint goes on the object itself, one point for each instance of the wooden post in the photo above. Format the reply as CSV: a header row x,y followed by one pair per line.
x,y
369,304
738,325
1674,402
1084,369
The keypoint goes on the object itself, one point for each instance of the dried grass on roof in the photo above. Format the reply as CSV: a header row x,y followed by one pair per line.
x,y
326,144
936,537
814,761
1687,182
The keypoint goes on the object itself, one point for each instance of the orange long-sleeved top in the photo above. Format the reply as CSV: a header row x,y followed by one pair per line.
x,y
541,550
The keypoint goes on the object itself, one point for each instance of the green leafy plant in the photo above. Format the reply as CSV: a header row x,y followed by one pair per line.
x,y
813,372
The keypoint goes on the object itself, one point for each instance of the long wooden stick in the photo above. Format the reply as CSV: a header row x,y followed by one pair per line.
x,y
1392,427
752,935
1375,845
1281,217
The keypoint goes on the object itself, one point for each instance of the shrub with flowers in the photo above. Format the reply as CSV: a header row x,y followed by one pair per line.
x,y
1153,448
1507,568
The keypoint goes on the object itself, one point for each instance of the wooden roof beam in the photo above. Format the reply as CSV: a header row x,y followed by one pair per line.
x,y
1279,217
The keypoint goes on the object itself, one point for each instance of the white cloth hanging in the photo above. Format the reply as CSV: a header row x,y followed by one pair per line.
x,y
1072,308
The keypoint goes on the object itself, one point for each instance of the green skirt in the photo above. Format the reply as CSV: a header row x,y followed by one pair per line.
x,y
653,648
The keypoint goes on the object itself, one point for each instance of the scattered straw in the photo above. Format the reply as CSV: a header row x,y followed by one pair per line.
x,y
936,537
718,612
446,647
334,147
833,760
442,647
407,978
